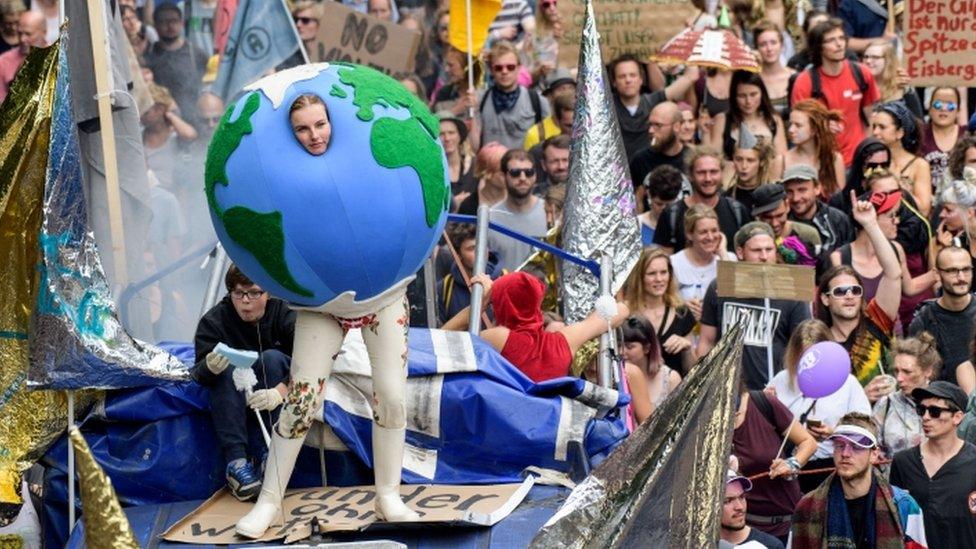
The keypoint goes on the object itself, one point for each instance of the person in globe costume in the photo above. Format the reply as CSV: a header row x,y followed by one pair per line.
x,y
294,194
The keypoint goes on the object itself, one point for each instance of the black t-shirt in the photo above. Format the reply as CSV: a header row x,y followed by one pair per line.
x,y
953,332
855,514
760,329
671,225
762,537
948,499
647,159
633,127
682,325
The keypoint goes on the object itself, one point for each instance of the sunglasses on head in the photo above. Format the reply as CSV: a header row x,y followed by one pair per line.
x,y
841,291
940,105
507,67
516,172
935,412
305,20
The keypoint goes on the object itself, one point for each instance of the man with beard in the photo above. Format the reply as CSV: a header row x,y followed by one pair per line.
x,y
950,317
939,471
734,529
802,186
665,148
705,170
175,63
555,163
521,210
855,506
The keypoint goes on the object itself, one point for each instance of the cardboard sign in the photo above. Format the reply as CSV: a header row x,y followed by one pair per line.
x,y
940,42
741,279
348,35
348,509
639,27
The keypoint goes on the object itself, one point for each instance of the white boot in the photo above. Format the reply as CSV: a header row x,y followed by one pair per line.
x,y
277,472
387,462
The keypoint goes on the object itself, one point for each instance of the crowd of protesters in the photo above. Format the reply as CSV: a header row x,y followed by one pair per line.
x,y
826,158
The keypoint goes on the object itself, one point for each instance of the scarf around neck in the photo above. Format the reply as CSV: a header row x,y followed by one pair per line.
x,y
503,100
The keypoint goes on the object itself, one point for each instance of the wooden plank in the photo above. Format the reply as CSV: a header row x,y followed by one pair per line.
x,y
759,280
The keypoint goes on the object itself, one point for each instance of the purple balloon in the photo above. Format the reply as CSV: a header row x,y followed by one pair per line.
x,y
822,369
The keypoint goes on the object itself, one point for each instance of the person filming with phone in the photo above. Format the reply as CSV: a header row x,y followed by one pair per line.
x,y
246,319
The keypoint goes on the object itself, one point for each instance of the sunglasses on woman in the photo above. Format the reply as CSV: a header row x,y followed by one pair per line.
x,y
935,412
941,105
842,291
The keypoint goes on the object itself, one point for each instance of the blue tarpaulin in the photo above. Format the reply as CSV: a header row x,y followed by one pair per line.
x,y
473,419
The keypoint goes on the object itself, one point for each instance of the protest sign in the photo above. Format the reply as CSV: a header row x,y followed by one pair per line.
x,y
940,42
639,27
349,509
347,35
775,281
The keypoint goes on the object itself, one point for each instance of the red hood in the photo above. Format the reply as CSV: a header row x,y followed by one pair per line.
x,y
517,301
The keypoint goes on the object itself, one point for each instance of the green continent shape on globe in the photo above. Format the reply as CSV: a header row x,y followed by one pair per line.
x,y
391,138
403,143
261,234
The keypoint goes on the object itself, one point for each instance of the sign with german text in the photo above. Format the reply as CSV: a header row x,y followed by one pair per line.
x,y
348,35
639,27
775,281
348,509
940,42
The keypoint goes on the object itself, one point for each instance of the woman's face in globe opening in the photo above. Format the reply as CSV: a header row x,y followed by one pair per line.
x,y
312,128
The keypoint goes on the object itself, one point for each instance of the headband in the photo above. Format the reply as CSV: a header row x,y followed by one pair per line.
x,y
899,111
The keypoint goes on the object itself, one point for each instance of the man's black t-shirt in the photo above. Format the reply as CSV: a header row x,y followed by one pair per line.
x,y
948,499
670,230
953,332
762,537
760,329
855,514
646,160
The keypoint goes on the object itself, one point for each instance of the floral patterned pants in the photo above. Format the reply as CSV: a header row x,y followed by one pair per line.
x,y
318,339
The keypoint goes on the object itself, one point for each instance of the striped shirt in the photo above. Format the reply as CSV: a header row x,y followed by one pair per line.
x,y
513,14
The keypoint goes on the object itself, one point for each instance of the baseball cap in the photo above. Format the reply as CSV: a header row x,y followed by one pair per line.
x,y
555,79
731,476
800,172
942,389
767,198
856,435
882,201
751,229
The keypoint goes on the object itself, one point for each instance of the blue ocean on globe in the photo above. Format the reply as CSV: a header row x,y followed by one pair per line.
x,y
359,218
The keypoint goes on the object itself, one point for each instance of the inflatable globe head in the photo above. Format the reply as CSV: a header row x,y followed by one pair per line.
x,y
360,218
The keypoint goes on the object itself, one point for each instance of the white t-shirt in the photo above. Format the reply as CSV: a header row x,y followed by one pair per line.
x,y
694,280
829,409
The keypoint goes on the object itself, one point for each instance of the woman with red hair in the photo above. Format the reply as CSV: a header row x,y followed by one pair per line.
x,y
814,143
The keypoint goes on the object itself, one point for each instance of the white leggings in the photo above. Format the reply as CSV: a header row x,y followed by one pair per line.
x,y
318,339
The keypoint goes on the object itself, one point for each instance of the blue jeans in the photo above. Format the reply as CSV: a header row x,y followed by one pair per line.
x,y
235,424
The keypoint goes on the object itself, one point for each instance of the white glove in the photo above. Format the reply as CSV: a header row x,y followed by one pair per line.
x,y
216,362
265,399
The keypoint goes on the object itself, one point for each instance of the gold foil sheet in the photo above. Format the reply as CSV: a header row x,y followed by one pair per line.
x,y
106,526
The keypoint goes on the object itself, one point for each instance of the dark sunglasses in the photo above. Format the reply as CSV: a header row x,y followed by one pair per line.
x,y
935,412
306,20
939,105
842,291
548,4
876,166
516,172
507,68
